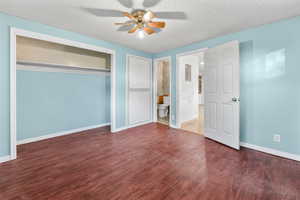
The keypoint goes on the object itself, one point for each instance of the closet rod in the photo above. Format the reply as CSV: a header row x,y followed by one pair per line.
x,y
60,66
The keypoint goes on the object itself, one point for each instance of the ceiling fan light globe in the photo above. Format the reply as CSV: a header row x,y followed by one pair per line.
x,y
147,18
141,34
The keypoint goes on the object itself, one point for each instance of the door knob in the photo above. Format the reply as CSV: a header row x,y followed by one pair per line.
x,y
235,99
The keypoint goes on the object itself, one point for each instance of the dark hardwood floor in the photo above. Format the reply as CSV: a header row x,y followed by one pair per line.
x,y
147,162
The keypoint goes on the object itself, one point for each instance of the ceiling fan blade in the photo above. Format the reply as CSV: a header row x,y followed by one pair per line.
x,y
150,3
125,23
104,12
157,24
125,28
134,29
126,3
149,30
148,16
121,24
171,15
157,30
126,14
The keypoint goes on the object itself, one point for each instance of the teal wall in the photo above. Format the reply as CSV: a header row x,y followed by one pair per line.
x,y
5,22
270,70
50,102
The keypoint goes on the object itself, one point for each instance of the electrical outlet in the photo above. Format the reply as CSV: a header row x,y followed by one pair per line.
x,y
276,138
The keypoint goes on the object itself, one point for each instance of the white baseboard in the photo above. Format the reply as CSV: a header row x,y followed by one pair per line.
x,y
140,124
131,126
35,139
271,151
4,159
174,126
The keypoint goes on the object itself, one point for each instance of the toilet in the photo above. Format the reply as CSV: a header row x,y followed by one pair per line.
x,y
164,107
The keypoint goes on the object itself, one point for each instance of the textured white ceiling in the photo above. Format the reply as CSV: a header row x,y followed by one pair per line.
x,y
206,18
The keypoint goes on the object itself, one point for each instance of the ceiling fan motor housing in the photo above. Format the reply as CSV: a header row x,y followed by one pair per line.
x,y
139,17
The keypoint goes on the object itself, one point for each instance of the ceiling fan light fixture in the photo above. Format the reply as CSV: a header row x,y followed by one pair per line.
x,y
148,16
141,34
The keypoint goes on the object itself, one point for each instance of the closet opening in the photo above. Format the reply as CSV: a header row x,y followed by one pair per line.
x,y
58,87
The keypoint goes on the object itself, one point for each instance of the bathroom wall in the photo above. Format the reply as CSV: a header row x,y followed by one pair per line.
x,y
163,79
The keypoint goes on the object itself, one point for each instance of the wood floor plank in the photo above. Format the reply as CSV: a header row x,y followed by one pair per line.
x,y
151,162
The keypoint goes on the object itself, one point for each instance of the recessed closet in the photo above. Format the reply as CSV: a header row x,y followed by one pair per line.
x,y
60,89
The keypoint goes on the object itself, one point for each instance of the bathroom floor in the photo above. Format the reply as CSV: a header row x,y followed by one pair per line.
x,y
195,125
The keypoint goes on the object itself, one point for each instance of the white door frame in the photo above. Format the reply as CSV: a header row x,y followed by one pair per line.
x,y
156,62
14,32
127,125
178,56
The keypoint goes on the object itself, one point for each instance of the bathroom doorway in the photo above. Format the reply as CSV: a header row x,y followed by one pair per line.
x,y
162,91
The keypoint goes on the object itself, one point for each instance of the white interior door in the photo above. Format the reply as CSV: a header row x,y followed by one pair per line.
x,y
139,91
188,87
222,90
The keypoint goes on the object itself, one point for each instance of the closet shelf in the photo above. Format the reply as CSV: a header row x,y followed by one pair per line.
x,y
67,67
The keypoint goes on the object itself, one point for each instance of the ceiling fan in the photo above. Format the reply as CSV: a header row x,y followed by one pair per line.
x,y
139,20
142,21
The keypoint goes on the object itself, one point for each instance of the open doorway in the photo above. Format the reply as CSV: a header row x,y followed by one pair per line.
x,y
221,67
162,90
190,78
